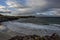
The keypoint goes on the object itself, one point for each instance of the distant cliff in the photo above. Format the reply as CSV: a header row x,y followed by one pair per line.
x,y
9,18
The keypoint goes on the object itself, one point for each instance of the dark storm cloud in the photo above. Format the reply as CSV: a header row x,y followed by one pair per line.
x,y
51,4
33,6
54,3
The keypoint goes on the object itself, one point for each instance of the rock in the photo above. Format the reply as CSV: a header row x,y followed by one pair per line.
x,y
36,37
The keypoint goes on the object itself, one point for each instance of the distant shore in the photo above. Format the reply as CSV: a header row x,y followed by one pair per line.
x,y
10,18
30,19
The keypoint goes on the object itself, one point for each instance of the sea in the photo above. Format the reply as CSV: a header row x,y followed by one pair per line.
x,y
29,26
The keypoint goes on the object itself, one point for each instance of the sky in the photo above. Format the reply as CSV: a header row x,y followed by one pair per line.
x,y
30,7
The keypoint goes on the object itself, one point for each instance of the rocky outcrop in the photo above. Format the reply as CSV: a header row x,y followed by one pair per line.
x,y
9,18
35,37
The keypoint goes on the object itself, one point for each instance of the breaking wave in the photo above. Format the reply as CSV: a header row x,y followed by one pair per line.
x,y
30,28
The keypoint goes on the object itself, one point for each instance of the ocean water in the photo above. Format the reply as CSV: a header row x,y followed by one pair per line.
x,y
30,26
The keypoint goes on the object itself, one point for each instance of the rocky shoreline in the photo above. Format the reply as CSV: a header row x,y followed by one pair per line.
x,y
36,37
10,18
7,18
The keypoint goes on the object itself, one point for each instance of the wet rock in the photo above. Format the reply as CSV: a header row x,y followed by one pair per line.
x,y
36,37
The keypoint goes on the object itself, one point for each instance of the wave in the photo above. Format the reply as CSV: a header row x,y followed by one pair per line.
x,y
31,25
30,28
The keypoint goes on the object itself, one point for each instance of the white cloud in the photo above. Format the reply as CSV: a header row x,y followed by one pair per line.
x,y
2,6
52,12
12,3
4,10
56,11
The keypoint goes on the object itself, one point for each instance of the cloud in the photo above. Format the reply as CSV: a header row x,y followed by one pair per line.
x,y
2,6
32,6
13,3
36,3
51,12
29,7
54,3
55,11
3,9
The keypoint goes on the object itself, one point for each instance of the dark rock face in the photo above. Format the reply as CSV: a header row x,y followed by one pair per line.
x,y
7,18
35,37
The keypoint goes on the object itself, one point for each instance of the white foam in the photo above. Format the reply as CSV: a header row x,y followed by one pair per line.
x,y
29,28
29,25
2,27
